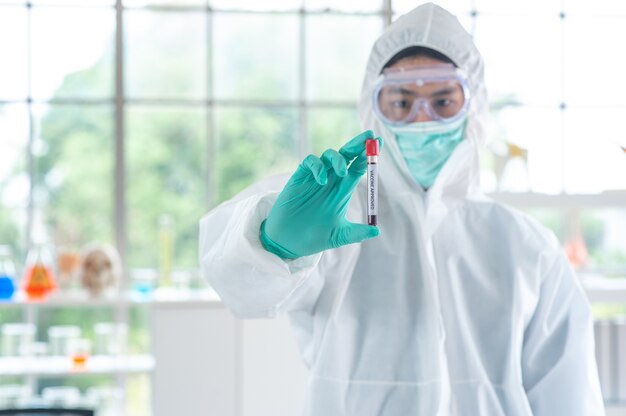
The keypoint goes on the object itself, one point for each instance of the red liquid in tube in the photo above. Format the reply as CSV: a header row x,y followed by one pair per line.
x,y
371,151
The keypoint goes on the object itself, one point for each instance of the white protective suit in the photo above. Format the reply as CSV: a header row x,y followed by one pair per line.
x,y
461,306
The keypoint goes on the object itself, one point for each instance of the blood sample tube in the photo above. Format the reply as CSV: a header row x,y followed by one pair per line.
x,y
371,151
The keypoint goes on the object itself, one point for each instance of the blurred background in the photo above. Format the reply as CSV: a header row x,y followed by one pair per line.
x,y
123,122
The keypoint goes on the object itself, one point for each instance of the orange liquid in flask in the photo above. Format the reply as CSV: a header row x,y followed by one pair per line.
x,y
39,281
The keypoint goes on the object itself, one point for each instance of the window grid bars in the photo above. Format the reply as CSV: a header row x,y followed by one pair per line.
x,y
120,101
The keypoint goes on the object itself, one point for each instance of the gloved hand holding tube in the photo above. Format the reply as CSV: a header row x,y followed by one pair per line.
x,y
309,215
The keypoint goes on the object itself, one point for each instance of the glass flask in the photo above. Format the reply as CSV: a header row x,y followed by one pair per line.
x,y
39,279
7,273
60,337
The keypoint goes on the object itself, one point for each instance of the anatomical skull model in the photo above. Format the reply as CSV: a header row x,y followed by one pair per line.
x,y
100,268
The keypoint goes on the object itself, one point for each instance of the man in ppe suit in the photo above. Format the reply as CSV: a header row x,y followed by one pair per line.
x,y
455,304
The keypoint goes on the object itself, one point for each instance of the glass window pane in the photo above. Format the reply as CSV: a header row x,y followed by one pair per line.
x,y
84,318
13,223
166,159
604,234
88,386
595,8
594,158
14,180
14,50
66,65
11,316
14,124
468,22
166,54
139,329
453,6
253,144
528,7
138,386
488,178
331,128
530,58
594,81
527,155
256,56
336,55
143,3
83,3
138,392
345,5
256,5
73,151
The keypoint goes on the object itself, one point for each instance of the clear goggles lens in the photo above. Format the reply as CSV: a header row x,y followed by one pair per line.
x,y
421,94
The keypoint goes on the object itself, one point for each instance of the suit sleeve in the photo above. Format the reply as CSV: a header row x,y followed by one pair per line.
x,y
558,359
252,282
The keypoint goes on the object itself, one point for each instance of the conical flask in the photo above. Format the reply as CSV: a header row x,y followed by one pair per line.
x,y
39,278
7,273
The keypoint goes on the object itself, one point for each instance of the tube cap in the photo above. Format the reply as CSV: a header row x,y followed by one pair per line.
x,y
371,147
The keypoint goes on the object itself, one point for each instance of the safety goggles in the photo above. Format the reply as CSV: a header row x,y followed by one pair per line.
x,y
433,93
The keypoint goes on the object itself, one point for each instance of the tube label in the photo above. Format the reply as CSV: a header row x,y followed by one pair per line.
x,y
372,189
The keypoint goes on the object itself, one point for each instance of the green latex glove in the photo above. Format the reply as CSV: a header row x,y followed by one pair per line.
x,y
309,215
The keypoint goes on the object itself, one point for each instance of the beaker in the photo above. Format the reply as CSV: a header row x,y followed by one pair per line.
x,y
181,280
79,350
61,396
144,282
110,338
14,395
17,339
59,338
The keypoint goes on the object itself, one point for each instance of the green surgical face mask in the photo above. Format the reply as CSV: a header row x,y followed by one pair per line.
x,y
426,146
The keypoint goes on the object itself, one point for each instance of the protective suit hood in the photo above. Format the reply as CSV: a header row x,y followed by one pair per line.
x,y
432,27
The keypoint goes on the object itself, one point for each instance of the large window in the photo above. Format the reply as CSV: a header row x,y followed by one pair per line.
x,y
202,99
